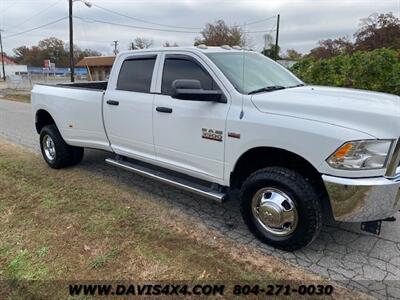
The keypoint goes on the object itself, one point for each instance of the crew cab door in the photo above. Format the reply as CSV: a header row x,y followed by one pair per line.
x,y
128,106
189,136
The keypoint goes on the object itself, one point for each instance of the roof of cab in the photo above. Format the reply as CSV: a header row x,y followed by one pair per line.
x,y
212,49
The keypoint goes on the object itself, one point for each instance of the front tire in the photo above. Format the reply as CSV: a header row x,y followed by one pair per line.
x,y
56,152
281,208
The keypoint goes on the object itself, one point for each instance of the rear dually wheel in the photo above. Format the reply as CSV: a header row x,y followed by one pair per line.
x,y
56,152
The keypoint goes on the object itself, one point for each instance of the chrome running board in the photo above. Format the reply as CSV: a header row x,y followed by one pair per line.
x,y
169,179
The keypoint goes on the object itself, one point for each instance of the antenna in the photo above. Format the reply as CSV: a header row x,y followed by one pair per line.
x,y
241,111
244,57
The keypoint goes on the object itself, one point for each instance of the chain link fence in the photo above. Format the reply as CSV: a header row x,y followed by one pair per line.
x,y
25,82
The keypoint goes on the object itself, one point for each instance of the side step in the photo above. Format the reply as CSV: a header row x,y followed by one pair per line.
x,y
169,179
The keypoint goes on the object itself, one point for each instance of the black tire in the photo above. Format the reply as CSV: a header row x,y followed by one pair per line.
x,y
302,194
65,155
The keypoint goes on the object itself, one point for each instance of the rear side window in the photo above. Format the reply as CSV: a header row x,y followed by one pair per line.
x,y
135,75
184,68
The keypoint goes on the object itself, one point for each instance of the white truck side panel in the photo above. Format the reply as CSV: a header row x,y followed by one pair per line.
x,y
310,140
129,125
178,137
77,113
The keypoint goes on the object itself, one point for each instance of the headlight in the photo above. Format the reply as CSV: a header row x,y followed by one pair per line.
x,y
362,155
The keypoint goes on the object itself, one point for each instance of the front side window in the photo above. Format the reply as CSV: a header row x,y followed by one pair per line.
x,y
180,67
136,74
249,72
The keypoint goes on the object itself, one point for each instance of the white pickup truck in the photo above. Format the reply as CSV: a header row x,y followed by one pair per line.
x,y
213,120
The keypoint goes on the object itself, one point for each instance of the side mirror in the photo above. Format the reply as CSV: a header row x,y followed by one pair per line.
x,y
188,89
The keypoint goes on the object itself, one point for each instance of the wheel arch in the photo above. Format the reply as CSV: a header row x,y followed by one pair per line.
x,y
43,118
261,157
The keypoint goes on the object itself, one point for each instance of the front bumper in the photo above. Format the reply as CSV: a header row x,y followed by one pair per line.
x,y
363,199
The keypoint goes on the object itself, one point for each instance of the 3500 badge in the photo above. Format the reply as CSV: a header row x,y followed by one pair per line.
x,y
211,134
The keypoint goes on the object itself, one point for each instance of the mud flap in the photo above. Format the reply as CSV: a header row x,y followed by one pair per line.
x,y
372,227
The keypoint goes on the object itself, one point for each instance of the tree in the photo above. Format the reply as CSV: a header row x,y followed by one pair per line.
x,y
377,70
168,44
51,48
29,56
219,34
141,43
20,54
55,50
378,31
292,54
375,32
330,48
79,54
269,47
270,52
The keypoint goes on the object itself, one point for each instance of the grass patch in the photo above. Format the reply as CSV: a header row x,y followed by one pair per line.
x,y
23,266
42,251
102,260
71,225
25,98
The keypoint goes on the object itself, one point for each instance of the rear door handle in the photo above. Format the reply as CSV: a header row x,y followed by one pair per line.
x,y
112,102
166,110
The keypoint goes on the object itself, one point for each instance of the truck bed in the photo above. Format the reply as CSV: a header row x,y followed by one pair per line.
x,y
95,85
77,109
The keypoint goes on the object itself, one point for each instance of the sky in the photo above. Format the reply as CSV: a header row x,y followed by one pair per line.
x,y
303,22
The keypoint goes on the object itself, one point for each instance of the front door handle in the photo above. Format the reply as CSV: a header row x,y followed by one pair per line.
x,y
166,110
112,102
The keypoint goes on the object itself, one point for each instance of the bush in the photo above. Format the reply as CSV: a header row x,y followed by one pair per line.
x,y
377,70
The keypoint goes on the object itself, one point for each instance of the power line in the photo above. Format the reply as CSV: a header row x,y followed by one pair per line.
x,y
37,14
35,28
132,26
150,28
10,6
260,21
141,20
261,31
171,26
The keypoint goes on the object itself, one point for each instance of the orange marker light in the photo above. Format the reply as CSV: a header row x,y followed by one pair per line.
x,y
339,154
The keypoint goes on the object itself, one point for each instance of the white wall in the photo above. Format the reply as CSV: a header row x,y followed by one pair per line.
x,y
12,69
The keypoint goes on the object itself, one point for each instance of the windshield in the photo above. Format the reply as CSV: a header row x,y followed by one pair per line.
x,y
260,73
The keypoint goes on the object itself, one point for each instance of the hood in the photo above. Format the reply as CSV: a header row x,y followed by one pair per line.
x,y
376,114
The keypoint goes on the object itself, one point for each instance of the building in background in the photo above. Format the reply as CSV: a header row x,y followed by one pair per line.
x,y
99,67
12,68
81,73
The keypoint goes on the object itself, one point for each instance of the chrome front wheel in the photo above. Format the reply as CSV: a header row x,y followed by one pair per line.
x,y
281,207
274,211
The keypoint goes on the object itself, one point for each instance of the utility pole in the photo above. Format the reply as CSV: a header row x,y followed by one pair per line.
x,y
115,47
71,36
277,37
71,43
2,56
